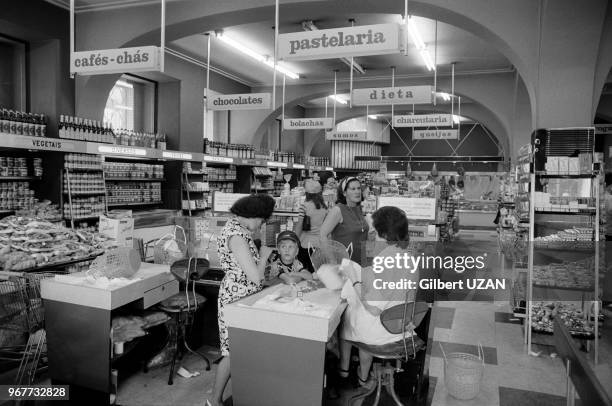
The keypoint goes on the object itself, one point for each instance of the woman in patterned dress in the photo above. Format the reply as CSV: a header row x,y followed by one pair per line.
x,y
244,272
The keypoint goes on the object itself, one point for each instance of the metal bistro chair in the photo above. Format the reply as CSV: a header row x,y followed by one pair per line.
x,y
182,307
396,320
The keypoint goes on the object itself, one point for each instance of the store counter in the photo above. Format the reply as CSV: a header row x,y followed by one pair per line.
x,y
78,321
278,346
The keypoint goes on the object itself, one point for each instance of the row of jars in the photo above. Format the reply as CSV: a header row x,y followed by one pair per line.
x,y
131,170
83,161
85,207
84,182
231,150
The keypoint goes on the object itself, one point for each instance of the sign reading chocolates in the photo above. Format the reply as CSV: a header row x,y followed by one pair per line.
x,y
120,60
247,101
361,40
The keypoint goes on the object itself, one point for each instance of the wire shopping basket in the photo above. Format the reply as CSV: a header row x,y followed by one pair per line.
x,y
463,373
332,252
22,314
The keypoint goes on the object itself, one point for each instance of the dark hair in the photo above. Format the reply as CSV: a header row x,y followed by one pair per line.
x,y
341,191
259,205
317,199
391,224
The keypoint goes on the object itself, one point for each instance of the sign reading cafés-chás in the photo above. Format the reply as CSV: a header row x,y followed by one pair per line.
x,y
378,96
435,134
423,120
247,101
120,60
361,40
308,123
346,135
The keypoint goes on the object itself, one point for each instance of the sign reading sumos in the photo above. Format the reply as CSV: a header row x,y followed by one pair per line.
x,y
392,95
435,134
247,101
375,39
423,120
308,123
346,135
103,61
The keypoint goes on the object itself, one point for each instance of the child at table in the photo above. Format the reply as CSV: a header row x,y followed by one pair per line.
x,y
283,263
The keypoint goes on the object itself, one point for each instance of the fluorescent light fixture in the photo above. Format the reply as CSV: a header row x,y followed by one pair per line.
x,y
121,107
123,83
372,116
420,44
457,119
444,96
259,58
338,99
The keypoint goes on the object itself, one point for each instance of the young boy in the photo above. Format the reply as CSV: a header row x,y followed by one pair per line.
x,y
283,262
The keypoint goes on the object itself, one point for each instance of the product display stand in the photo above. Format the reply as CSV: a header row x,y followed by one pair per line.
x,y
548,212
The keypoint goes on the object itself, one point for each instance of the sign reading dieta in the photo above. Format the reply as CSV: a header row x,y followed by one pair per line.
x,y
375,39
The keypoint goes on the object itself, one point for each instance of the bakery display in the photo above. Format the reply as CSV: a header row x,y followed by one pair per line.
x,y
543,314
27,243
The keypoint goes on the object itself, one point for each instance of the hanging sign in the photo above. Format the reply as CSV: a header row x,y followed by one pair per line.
x,y
378,96
361,40
120,60
247,101
308,123
435,134
346,135
423,120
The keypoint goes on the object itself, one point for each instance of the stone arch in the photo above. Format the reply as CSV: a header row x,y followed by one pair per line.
x,y
478,17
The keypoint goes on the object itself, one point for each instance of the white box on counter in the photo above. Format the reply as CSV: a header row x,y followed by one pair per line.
x,y
119,227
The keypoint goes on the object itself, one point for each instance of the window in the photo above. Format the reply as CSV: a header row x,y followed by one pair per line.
x,y
12,74
131,104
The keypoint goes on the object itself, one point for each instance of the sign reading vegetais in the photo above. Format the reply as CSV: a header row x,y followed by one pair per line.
x,y
103,61
375,39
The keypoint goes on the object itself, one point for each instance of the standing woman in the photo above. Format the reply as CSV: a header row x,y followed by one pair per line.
x,y
244,271
312,215
345,222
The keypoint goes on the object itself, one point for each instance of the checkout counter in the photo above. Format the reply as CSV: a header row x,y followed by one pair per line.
x,y
278,345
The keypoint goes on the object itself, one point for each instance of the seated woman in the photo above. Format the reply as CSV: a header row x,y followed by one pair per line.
x,y
361,319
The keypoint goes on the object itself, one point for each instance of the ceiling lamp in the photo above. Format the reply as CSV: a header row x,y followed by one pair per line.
x,y
338,99
444,96
260,58
372,116
419,44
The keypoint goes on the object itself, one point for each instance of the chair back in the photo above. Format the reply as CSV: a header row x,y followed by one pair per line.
x,y
398,318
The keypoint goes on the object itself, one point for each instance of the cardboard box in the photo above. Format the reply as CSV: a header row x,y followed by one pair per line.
x,y
574,166
563,165
119,227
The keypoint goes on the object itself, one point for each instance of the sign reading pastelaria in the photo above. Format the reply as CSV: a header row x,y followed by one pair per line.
x,y
377,96
361,40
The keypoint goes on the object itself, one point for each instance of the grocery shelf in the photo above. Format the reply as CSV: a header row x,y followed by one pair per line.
x,y
82,218
85,169
85,193
546,175
134,204
570,288
222,180
590,210
136,179
18,178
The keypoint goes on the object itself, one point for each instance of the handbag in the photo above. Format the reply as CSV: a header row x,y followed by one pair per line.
x,y
306,226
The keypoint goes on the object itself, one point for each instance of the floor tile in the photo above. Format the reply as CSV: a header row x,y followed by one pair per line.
x,y
442,317
503,317
513,397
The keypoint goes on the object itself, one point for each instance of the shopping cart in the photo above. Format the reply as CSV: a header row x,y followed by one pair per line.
x,y
21,316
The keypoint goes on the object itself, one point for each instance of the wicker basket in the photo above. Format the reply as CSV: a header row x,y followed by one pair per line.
x,y
463,373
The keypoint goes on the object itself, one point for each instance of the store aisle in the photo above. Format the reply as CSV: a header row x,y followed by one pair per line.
x,y
511,376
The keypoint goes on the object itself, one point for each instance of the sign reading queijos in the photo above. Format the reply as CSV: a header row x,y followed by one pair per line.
x,y
308,123
338,42
247,101
119,60
435,134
